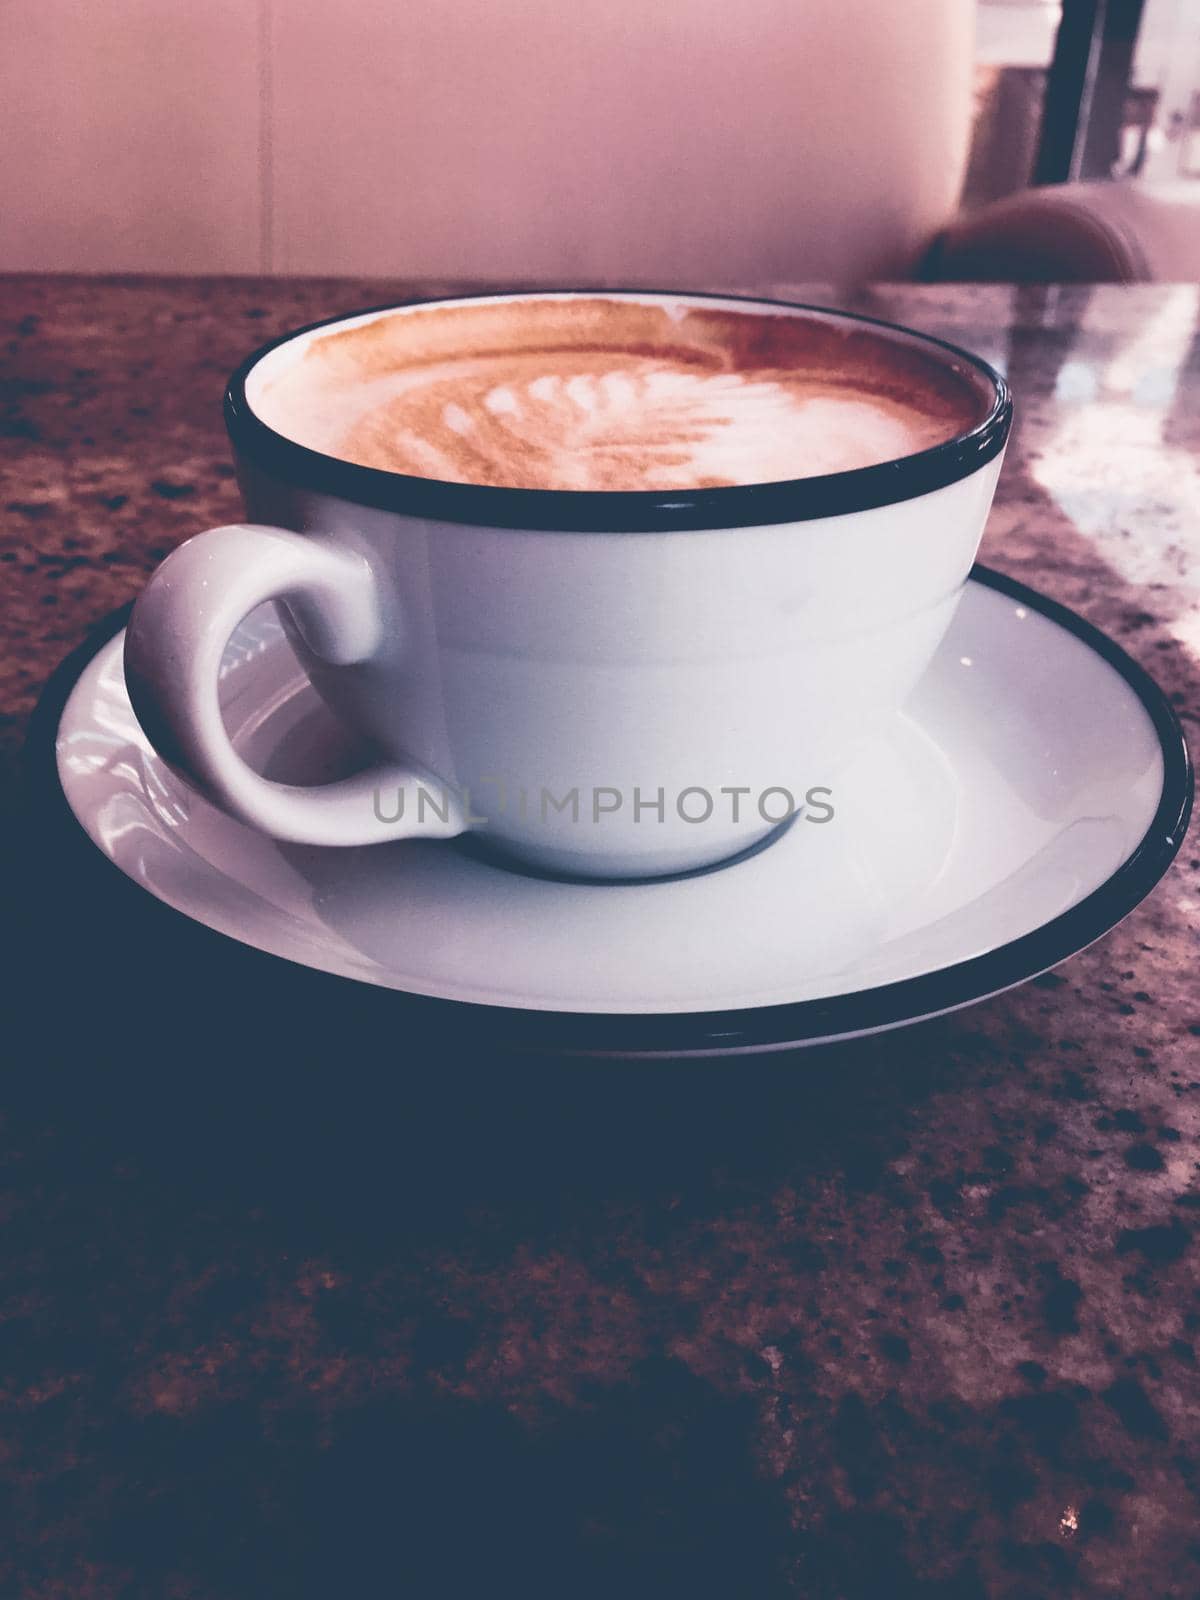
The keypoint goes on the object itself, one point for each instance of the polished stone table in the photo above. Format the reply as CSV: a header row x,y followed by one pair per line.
x,y
293,1303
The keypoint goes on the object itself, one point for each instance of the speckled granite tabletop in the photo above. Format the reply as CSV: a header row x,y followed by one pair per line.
x,y
315,1310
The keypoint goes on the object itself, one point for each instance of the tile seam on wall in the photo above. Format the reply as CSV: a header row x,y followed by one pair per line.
x,y
266,142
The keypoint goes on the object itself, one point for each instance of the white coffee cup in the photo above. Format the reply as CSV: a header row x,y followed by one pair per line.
x,y
605,684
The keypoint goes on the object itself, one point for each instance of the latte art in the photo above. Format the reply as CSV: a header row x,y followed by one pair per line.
x,y
636,427
591,393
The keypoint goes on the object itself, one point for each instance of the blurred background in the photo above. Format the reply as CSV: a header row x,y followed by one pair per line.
x,y
688,141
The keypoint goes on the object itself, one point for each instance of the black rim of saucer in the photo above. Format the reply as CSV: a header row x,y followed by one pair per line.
x,y
693,1033
628,511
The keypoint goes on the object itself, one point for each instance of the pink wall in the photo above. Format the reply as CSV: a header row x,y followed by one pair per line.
x,y
131,136
714,141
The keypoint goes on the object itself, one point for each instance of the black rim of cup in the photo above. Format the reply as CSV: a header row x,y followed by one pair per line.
x,y
627,511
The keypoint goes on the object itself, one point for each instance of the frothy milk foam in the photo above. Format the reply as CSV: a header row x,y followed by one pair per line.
x,y
592,392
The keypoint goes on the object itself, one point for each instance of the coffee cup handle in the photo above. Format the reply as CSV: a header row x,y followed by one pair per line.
x,y
177,634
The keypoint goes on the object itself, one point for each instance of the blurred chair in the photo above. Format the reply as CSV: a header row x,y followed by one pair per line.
x,y
1121,232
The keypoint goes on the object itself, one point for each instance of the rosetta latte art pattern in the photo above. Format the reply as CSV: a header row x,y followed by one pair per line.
x,y
611,395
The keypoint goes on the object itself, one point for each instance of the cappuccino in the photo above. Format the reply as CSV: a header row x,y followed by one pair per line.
x,y
588,392
498,638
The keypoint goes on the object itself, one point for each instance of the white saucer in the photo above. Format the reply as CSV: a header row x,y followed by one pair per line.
x,y
1034,790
